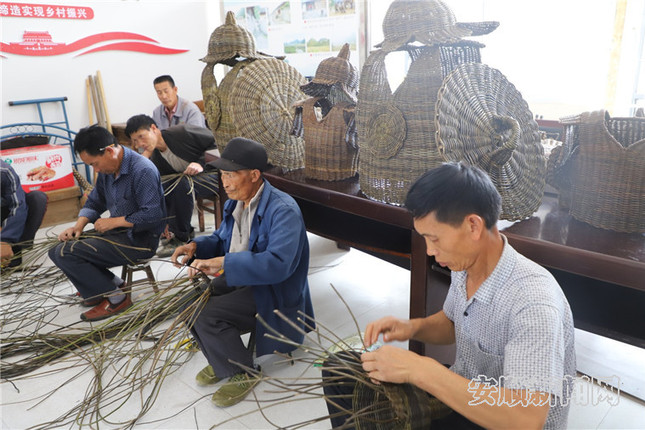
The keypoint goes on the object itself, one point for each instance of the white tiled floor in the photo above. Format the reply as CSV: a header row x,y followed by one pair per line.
x,y
371,287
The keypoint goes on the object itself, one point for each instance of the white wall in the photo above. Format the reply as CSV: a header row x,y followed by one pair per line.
x,y
556,52
127,76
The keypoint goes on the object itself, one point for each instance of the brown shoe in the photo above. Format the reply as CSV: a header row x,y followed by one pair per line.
x,y
90,302
105,309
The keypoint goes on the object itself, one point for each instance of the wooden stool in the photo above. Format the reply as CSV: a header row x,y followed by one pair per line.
x,y
209,204
129,269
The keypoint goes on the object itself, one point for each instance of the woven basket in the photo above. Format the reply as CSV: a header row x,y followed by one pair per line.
x,y
483,119
601,168
396,406
260,104
328,155
396,132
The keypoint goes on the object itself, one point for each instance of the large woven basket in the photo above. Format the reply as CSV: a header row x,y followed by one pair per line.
x,y
396,131
601,169
483,119
328,154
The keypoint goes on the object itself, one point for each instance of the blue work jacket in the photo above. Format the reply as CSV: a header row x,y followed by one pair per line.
x,y
275,264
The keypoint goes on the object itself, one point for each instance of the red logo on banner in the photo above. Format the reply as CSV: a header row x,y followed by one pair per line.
x,y
40,43
55,11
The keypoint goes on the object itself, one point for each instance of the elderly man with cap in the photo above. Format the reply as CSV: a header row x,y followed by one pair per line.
x,y
262,249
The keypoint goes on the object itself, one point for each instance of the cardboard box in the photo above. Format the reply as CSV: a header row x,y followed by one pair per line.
x,y
42,167
62,206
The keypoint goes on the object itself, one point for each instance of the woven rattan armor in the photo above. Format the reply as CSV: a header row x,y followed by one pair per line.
x,y
600,167
396,131
328,156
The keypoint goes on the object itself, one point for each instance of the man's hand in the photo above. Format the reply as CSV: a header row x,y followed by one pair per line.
x,y
105,224
391,328
193,169
390,364
187,250
70,233
207,267
5,252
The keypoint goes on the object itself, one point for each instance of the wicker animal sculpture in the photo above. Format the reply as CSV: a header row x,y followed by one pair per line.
x,y
326,120
255,97
482,118
396,131
600,170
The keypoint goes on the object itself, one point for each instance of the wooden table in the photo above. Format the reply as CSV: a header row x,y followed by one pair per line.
x,y
601,272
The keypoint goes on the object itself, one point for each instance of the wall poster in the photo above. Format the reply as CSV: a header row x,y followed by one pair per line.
x,y
304,31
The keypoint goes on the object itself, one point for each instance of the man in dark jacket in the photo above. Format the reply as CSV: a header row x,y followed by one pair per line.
x,y
263,250
178,149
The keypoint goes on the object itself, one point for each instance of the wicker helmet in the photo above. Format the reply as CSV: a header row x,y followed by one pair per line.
x,y
229,41
334,70
430,22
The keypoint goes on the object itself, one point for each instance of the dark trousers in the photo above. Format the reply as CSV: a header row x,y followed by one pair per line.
x,y
180,203
86,261
342,392
218,326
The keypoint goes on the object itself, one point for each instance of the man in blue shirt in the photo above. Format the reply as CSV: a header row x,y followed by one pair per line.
x,y
263,250
14,211
129,187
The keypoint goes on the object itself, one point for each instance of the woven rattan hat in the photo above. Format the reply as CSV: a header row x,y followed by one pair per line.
x,y
429,22
482,118
334,70
229,41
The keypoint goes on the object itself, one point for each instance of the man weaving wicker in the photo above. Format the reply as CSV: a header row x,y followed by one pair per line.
x,y
511,323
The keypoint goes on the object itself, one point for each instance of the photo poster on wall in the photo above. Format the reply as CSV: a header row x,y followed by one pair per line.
x,y
304,31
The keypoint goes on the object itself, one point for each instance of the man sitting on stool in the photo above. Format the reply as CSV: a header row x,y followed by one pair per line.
x,y
21,216
178,149
129,187
263,249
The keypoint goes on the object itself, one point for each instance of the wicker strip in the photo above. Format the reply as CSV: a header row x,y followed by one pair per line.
x,y
260,103
328,156
606,166
483,119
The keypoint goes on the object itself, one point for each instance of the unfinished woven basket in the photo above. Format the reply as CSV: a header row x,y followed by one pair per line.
x,y
260,104
601,167
396,132
483,119
328,155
